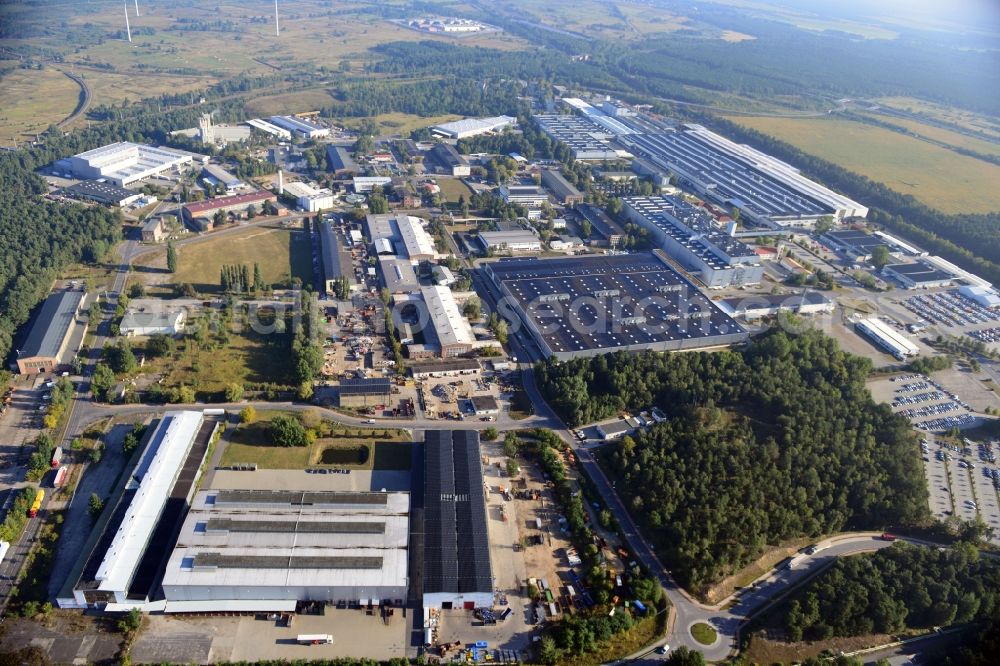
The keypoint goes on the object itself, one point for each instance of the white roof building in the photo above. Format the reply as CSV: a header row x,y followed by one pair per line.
x,y
152,481
125,163
452,329
367,183
309,198
461,129
419,244
269,128
301,126
887,337
275,547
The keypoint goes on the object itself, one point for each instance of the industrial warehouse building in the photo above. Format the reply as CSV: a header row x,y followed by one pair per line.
x,y
526,195
269,128
887,338
586,140
119,566
857,245
584,306
689,234
309,198
452,367
918,275
106,193
340,161
125,163
46,347
564,192
305,128
765,190
390,232
514,241
336,262
452,333
768,305
274,548
236,203
364,184
364,392
216,175
456,552
461,129
450,160
610,232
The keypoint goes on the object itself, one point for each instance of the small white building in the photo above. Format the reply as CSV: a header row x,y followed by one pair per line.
x,y
309,198
986,298
516,241
364,184
139,323
613,430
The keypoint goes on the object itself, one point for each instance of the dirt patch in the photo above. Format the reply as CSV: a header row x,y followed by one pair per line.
x,y
762,650
65,636
753,571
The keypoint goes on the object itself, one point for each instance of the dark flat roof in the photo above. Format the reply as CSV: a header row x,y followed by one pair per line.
x,y
92,189
919,271
294,526
611,302
859,240
444,365
221,561
368,386
456,533
51,325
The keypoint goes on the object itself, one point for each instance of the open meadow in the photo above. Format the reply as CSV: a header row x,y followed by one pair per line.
x,y
936,176
941,135
33,99
282,253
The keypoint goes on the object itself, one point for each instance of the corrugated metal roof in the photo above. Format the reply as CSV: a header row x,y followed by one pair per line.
x,y
52,324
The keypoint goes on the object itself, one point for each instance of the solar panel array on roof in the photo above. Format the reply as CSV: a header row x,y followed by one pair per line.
x,y
584,305
456,539
221,561
366,386
297,526
297,498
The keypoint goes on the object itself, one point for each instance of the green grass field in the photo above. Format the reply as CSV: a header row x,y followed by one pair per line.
x,y
251,443
942,135
281,253
242,358
453,188
936,176
33,100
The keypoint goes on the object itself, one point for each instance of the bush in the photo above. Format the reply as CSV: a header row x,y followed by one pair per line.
x,y
288,431
490,434
248,414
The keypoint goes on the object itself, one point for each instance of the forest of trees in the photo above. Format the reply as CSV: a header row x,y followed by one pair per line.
x,y
897,588
38,238
777,441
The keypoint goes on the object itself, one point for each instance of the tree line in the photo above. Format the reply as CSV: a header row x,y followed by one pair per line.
x,y
777,441
895,589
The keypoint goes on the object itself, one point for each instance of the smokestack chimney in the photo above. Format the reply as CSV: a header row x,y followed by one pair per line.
x,y
281,183
277,32
136,7
128,30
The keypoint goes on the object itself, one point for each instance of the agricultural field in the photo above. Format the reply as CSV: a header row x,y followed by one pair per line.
x,y
401,123
295,102
936,176
282,253
344,447
942,135
33,99
945,114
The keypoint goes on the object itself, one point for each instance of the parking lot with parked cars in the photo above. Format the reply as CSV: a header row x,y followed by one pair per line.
x,y
949,308
928,404
973,481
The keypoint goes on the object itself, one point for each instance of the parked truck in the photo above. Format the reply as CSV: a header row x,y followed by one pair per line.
x,y
56,457
314,639
37,504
